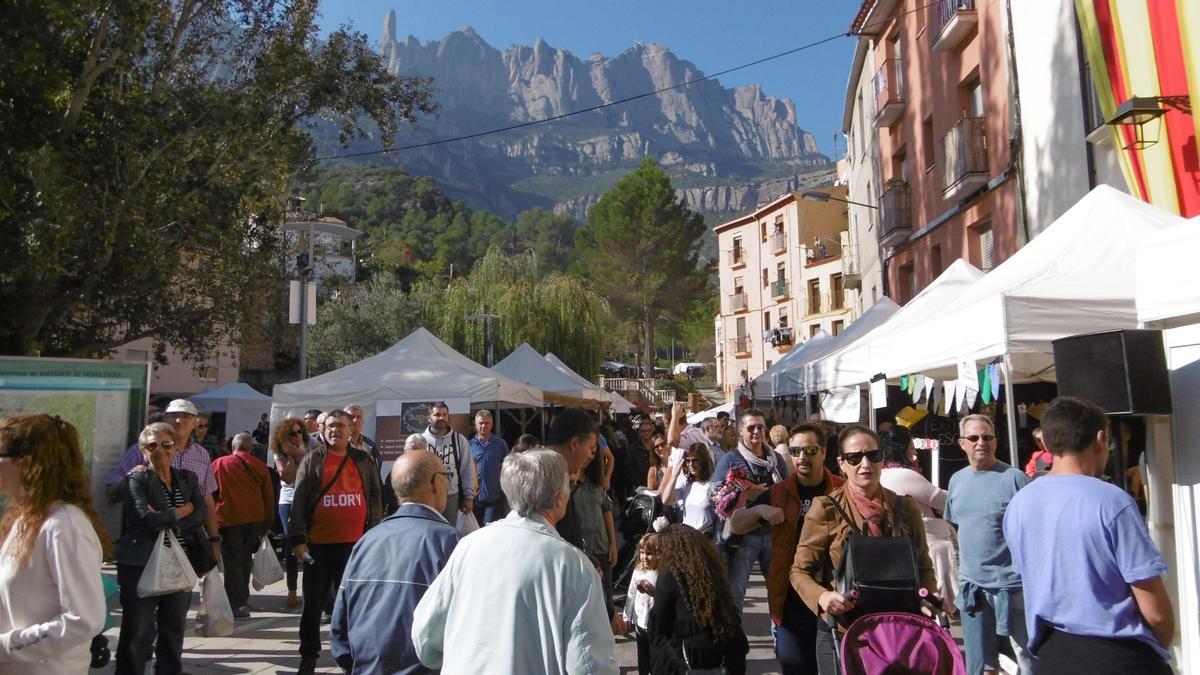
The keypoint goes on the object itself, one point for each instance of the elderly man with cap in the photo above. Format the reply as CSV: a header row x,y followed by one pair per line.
x,y
245,512
182,415
390,569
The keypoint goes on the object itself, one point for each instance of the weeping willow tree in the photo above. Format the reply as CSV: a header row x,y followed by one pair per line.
x,y
553,312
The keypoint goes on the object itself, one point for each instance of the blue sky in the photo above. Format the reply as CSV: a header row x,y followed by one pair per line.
x,y
712,34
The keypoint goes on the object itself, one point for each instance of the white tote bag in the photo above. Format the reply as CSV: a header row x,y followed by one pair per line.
x,y
168,570
266,569
467,523
215,616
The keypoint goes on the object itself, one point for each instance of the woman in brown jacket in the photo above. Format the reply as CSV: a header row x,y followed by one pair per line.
x,y
823,537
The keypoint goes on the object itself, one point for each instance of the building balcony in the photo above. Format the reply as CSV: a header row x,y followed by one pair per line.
x,y
888,85
779,242
851,274
737,258
740,346
817,304
780,338
953,21
737,302
963,160
895,214
779,289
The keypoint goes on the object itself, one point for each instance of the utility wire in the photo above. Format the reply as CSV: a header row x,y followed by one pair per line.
x,y
553,118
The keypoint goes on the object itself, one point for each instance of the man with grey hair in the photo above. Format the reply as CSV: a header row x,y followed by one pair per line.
x,y
245,501
489,452
358,439
990,597
535,596
390,569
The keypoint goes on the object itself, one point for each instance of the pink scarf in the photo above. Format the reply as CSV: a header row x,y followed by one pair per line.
x,y
871,510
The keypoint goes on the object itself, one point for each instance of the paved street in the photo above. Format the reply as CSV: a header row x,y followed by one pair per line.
x,y
267,642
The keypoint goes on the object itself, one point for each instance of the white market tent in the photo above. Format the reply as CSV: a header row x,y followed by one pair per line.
x,y
419,367
242,404
796,381
851,363
526,365
1075,277
619,404
764,386
1168,276
697,417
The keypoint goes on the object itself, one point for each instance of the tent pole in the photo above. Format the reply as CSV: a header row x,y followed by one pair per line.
x,y
1010,404
871,409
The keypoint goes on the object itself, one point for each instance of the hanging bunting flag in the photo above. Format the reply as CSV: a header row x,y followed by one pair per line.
x,y
904,383
972,396
995,380
985,384
929,386
949,389
879,392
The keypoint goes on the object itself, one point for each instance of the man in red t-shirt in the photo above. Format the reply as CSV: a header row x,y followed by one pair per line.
x,y
337,499
245,511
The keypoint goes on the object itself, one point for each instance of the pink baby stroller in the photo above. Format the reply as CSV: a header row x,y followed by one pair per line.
x,y
899,643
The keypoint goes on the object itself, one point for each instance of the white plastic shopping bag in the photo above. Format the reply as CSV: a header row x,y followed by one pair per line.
x,y
215,616
266,569
467,523
168,570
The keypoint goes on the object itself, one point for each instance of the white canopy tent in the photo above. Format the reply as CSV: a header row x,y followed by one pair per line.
x,y
242,404
698,417
621,405
526,365
766,384
419,367
604,394
1076,277
796,381
1168,298
851,363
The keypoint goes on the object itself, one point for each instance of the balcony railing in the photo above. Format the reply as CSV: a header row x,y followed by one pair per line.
x,y
888,85
740,345
963,158
779,241
737,302
779,289
952,23
851,275
895,208
737,257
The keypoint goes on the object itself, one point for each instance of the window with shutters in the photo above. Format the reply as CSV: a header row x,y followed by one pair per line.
x,y
766,321
741,327
987,247
974,95
928,143
838,326
766,277
935,260
835,292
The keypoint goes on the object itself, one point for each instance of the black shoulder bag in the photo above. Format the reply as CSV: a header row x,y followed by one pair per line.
x,y
321,493
878,573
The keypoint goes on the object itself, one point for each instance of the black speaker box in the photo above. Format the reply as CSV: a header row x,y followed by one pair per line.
x,y
1122,371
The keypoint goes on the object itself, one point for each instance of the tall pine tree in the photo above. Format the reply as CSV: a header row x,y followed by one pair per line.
x,y
640,248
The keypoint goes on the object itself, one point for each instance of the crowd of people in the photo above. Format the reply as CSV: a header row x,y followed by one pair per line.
x,y
469,556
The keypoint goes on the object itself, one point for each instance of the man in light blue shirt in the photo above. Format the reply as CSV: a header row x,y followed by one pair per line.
x,y
990,595
1095,601
489,451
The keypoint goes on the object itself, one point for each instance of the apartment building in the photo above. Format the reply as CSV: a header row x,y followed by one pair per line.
x,y
781,281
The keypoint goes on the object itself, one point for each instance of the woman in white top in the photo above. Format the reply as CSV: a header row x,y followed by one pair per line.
x,y
685,488
289,446
900,477
51,594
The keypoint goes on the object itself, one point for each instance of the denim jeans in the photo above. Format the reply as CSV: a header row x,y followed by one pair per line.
x,y
150,624
290,562
796,638
489,512
755,546
980,640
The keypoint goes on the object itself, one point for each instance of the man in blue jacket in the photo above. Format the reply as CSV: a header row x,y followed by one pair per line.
x,y
390,569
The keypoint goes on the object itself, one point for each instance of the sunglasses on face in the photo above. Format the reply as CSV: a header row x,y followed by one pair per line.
x,y
201,426
974,438
810,450
659,445
165,445
297,432
756,427
855,458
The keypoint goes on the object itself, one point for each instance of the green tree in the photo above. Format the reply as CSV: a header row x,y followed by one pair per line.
x,y
147,147
551,311
640,247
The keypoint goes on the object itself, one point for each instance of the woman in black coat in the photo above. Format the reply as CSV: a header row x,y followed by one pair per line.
x,y
159,497
694,624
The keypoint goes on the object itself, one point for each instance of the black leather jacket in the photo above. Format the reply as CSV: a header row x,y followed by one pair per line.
x,y
145,513
308,487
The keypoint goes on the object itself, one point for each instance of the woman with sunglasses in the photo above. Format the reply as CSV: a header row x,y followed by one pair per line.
x,y
902,477
159,498
289,446
658,456
874,509
51,595
685,489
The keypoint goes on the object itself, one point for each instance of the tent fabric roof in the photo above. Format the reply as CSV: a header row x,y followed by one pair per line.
x,y
526,365
795,380
697,417
418,367
765,385
851,364
1168,278
1076,277
232,391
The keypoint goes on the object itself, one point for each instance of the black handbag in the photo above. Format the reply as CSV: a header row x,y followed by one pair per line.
x,y
199,550
878,573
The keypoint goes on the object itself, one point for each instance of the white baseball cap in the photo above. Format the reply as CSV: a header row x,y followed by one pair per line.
x,y
181,405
